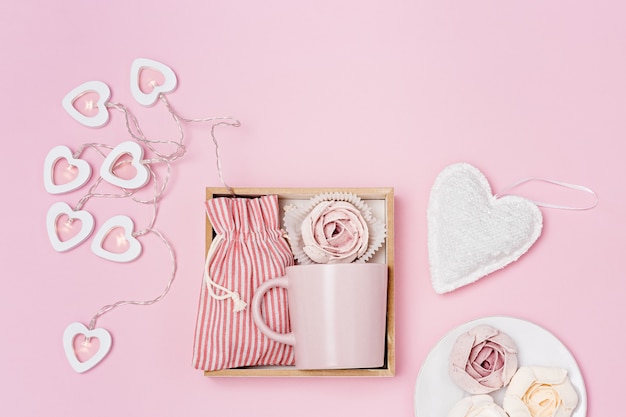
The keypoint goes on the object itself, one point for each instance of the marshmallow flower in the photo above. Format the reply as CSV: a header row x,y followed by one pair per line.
x,y
335,232
483,360
334,227
540,392
477,406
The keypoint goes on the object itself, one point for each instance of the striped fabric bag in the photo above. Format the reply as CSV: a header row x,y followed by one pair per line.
x,y
247,250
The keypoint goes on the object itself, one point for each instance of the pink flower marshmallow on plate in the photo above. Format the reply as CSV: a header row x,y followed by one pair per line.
x,y
483,360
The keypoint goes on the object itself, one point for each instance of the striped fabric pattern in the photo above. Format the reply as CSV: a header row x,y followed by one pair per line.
x,y
252,251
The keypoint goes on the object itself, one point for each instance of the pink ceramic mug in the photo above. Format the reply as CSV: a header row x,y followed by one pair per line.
x,y
337,312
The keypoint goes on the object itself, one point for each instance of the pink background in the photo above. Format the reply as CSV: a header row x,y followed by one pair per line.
x,y
330,93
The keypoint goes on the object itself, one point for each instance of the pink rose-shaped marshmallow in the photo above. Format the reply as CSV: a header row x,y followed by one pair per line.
x,y
334,232
483,360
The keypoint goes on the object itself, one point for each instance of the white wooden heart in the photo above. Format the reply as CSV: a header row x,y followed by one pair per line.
x,y
142,174
75,329
104,93
63,152
471,233
148,99
58,209
134,247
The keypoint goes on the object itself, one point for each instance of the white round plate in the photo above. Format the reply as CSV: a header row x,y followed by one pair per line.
x,y
436,393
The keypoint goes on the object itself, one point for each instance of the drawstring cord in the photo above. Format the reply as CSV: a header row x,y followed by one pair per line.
x,y
238,303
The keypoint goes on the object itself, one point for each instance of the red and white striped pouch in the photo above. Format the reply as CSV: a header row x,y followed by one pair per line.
x,y
248,249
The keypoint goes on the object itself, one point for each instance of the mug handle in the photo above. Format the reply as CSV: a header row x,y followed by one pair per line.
x,y
286,338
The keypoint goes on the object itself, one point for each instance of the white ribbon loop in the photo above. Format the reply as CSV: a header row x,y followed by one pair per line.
x,y
574,187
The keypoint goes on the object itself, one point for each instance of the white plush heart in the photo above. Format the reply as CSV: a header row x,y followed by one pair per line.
x,y
148,99
134,247
471,233
63,152
104,93
59,209
75,329
108,166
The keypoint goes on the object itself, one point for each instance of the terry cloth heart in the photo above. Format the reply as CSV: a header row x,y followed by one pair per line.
x,y
471,233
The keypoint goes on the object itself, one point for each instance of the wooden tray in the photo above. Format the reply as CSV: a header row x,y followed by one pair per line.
x,y
380,200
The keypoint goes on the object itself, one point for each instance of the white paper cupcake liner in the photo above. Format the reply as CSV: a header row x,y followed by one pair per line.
x,y
295,215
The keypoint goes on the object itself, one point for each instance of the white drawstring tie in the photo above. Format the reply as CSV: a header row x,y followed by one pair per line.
x,y
238,303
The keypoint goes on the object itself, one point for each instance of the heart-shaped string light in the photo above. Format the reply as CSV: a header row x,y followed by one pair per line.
x,y
133,247
156,87
89,104
69,336
99,106
59,209
79,179
142,175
